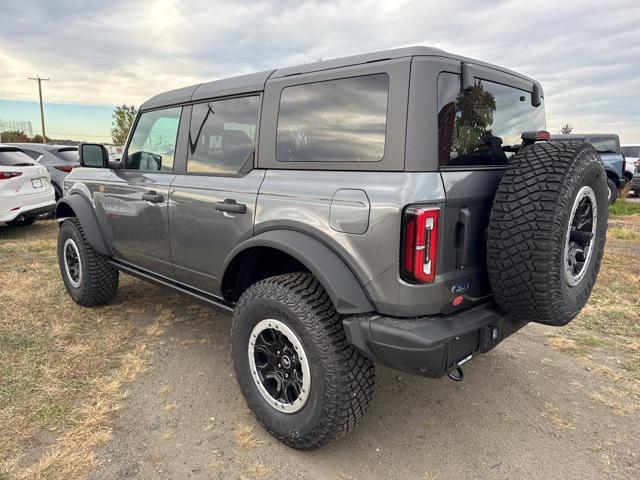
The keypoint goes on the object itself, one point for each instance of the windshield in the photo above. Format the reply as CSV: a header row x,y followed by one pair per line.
x,y
12,157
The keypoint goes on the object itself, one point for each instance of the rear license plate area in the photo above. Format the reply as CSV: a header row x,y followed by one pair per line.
x,y
36,182
462,348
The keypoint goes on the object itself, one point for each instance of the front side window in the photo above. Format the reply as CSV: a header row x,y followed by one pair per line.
x,y
482,126
153,144
604,145
222,135
340,120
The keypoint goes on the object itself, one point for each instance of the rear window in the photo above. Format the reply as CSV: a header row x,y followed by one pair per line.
x,y
67,154
604,145
482,126
14,158
341,120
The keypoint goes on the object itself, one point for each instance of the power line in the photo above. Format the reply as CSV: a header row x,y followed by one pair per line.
x,y
40,80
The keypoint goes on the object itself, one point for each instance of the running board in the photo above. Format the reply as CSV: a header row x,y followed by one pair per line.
x,y
211,300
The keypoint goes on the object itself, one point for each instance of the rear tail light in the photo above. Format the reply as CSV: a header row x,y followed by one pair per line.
x,y
419,244
9,175
536,135
64,168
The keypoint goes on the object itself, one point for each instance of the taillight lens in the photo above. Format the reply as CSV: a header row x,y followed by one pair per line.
x,y
419,244
64,168
9,175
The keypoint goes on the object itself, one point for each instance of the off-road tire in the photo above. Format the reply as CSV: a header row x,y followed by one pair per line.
x,y
612,191
22,221
342,380
99,279
528,229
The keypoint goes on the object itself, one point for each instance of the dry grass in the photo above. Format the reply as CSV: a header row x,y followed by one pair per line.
x,y
553,415
605,337
246,437
63,369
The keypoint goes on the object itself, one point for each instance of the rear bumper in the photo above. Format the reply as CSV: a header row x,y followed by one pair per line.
x,y
29,211
429,346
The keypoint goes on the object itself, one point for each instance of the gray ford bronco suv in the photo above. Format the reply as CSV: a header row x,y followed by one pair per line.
x,y
402,207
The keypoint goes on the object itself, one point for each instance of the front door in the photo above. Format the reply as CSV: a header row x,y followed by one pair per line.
x,y
138,194
213,200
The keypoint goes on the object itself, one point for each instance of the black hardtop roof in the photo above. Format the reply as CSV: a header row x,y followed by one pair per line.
x,y
254,82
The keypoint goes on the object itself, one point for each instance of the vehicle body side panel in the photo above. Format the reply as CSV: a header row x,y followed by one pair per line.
x,y
140,229
201,236
300,200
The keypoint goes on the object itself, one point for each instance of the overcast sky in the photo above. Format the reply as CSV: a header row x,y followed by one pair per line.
x,y
106,52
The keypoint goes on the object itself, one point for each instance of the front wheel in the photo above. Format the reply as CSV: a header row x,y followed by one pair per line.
x,y
87,275
305,384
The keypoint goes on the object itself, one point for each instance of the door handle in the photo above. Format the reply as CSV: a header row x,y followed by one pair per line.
x,y
462,252
231,206
152,196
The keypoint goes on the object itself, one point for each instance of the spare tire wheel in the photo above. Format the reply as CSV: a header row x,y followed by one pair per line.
x,y
547,231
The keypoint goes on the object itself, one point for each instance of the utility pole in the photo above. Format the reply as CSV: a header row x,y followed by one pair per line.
x,y
40,80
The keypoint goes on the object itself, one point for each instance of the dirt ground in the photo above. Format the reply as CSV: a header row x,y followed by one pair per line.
x,y
546,403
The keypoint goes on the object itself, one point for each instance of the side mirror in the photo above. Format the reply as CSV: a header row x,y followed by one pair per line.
x,y
93,155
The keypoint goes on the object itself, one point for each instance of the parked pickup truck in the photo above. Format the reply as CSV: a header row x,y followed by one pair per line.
x,y
402,207
632,156
608,146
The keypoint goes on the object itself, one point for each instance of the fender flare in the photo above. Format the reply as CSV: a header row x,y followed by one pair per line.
x,y
338,280
87,217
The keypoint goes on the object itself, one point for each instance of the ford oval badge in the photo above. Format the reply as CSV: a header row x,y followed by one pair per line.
x,y
459,288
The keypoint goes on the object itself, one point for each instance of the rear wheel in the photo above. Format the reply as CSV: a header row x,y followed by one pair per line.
x,y
612,191
87,275
547,232
305,384
22,221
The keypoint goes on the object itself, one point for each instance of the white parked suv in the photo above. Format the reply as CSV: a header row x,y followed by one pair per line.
x,y
25,188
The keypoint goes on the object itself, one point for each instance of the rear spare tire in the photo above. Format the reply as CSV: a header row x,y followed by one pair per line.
x,y
547,232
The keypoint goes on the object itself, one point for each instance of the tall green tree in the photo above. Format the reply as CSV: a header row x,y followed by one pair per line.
x,y
122,120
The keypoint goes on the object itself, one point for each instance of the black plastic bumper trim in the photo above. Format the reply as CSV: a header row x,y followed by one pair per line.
x,y
429,346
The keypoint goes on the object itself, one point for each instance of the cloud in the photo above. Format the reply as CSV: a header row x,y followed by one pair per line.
x,y
584,53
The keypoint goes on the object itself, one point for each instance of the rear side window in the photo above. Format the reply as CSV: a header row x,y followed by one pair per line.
x,y
15,158
33,154
482,126
340,120
222,135
153,144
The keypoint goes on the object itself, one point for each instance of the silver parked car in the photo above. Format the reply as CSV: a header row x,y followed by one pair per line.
x,y
58,159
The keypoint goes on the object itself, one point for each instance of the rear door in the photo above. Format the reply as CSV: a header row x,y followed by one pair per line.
x,y
213,197
479,129
138,194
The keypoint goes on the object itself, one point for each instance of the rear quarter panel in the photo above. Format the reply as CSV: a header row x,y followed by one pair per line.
x,y
301,200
